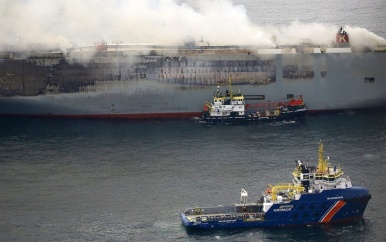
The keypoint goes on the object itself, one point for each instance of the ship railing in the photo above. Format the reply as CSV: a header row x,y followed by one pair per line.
x,y
266,105
246,217
328,176
333,181
297,172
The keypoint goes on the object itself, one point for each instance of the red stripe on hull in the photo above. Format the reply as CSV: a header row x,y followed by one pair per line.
x,y
333,211
139,116
134,116
332,111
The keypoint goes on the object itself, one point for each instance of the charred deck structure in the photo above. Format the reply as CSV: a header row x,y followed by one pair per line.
x,y
155,81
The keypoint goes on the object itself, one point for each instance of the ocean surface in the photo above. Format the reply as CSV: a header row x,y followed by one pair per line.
x,y
120,180
356,13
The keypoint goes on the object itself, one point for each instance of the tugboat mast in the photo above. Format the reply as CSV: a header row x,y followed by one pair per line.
x,y
322,162
230,85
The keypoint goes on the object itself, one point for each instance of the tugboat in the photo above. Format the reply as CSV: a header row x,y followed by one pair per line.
x,y
316,195
231,108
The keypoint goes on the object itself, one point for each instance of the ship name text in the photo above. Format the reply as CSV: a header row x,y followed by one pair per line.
x,y
333,198
284,208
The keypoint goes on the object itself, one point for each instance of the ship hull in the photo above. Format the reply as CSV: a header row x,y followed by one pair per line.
x,y
176,84
249,118
330,206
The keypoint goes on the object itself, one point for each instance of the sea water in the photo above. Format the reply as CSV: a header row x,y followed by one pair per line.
x,y
120,180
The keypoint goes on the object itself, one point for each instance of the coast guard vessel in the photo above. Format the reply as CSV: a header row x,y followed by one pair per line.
x,y
316,195
232,108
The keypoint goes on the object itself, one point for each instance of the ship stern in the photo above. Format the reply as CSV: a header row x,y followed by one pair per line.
x,y
185,221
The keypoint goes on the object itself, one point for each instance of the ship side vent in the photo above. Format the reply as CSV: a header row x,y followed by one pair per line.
x,y
369,80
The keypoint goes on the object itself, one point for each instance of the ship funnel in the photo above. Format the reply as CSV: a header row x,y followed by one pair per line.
x,y
100,44
342,37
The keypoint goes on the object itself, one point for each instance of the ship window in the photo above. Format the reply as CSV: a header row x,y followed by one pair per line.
x,y
290,96
369,79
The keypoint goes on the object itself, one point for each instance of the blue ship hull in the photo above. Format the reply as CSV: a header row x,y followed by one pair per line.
x,y
325,207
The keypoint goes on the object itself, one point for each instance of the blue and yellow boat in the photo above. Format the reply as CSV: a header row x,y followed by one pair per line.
x,y
316,195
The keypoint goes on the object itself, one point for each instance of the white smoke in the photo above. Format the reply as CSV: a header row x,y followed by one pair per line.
x,y
65,23
363,39
316,33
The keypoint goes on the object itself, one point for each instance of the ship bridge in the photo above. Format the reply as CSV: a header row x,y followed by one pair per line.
x,y
323,177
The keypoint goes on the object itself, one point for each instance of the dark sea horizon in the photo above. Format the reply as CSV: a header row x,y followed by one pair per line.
x,y
120,180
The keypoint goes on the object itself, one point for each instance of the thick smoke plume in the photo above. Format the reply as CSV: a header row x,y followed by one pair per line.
x,y
70,23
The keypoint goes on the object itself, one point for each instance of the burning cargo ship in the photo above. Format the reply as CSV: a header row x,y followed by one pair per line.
x,y
141,81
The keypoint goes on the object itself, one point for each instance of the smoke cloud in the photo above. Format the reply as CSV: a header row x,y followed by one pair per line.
x,y
69,23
